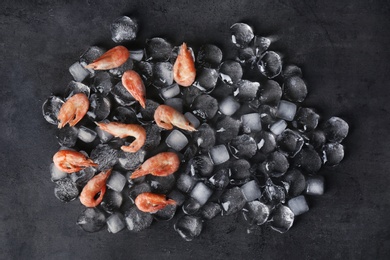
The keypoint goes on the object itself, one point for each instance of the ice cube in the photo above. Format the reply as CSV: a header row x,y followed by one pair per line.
x,y
316,138
75,88
204,137
86,135
145,69
205,106
282,219
167,213
243,146
193,119
176,140
278,127
104,156
290,142
336,129
56,174
242,34
91,54
115,223
223,90
229,106
131,161
91,220
270,64
177,196
286,110
251,191
161,184
103,135
333,153
112,201
66,190
251,123
226,129
122,96
209,56
102,83
170,91
118,71
50,109
136,55
296,181
232,201
291,70
220,179
137,220
125,115
201,193
276,164
153,137
298,205
116,181
308,160
158,49
191,206
247,90
78,72
270,93
210,210
231,71
206,79
189,227
123,29
189,94
294,89
99,107
239,169
185,183
82,177
274,194
147,113
315,185
306,119
256,212
265,142
219,154
267,114
67,136
163,74
176,103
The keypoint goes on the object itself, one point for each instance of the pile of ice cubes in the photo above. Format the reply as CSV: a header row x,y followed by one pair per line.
x,y
257,150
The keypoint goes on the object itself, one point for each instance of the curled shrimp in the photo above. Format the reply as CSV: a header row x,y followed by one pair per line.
x,y
92,188
152,202
113,58
73,110
132,81
124,130
71,161
184,71
167,117
162,164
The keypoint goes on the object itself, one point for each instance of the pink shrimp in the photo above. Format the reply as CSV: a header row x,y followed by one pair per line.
x,y
71,161
152,202
162,164
92,188
113,58
124,130
184,71
167,117
73,110
132,81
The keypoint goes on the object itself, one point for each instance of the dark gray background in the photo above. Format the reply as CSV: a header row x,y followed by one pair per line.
x,y
343,48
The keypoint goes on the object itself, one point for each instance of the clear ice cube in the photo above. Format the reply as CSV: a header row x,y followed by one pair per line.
x,y
91,220
189,227
282,219
232,201
256,212
176,103
115,223
251,191
78,72
201,193
286,110
251,123
170,91
336,129
176,140
219,154
56,174
116,181
67,136
86,135
278,127
185,183
210,210
158,49
193,119
294,89
270,64
137,220
124,29
242,34
229,105
50,109
298,205
112,201
315,185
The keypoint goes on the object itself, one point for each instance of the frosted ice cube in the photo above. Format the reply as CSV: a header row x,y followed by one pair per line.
x,y
193,119
170,91
86,135
294,89
50,109
315,185
231,71
201,193
67,136
219,154
242,34
298,205
91,54
123,29
137,220
189,227
158,49
270,64
336,129
286,110
131,161
116,181
270,93
229,106
333,153
232,201
282,219
176,140
91,220
278,127
163,74
115,223
56,174
247,90
256,212
191,206
66,190
176,103
251,122
251,190
209,55
105,156
205,106
75,87
185,183
210,210
206,79
78,72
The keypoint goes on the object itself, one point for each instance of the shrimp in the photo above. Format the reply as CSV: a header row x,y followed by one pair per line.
x,y
124,130
152,202
184,68
73,110
92,188
113,58
166,116
132,81
162,164
71,161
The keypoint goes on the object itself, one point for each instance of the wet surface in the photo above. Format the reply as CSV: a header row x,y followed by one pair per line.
x,y
342,48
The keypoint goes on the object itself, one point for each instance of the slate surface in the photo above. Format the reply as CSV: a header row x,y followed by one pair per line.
x,y
343,49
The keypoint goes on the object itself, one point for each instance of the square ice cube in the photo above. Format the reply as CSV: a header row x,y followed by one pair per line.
x,y
251,122
278,127
170,91
251,191
103,135
315,185
86,135
229,106
193,119
176,103
286,110
176,140
115,223
116,181
56,174
78,72
201,193
298,205
219,154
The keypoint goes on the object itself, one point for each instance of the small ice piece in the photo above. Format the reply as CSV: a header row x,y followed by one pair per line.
x,y
276,164
147,113
278,127
282,219
251,191
176,103
193,119
104,156
226,129
306,119
298,205
66,190
91,54
206,79
177,196
185,183
158,49
163,74
75,88
170,91
247,90
131,161
200,165
242,34
50,109
137,220
294,89
122,96
124,115
176,140
153,137
123,29
290,142
204,137
78,72
308,160
137,189
205,106
102,83
270,64
270,93
240,169
136,55
82,177
116,181
219,154
336,129
103,135
91,220
86,135
260,44
315,185
286,110
251,123
265,142
67,136
243,146
99,107
296,181
209,55
201,193
115,223
56,174
291,71
232,201
118,71
210,210
189,227
229,106
191,206
333,153
274,194
256,212
231,71
112,201
220,179
166,213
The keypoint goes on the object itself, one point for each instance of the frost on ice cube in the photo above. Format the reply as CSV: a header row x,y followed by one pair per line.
x,y
201,193
75,87
298,205
229,106
205,106
286,110
112,201
131,161
176,103
66,190
102,83
115,223
256,212
137,220
243,146
86,135
336,129
104,156
162,74
82,177
67,136
189,227
251,123
193,119
306,119
274,194
270,64
282,219
158,49
185,183
56,174
294,89
209,56
191,206
296,182
116,181
204,137
290,142
232,201
308,160
176,140
333,153
78,72
170,91
219,154
123,29
91,54
247,90
50,109
242,34
251,191
124,115
278,127
122,96
315,185
270,93
91,220
230,71
153,137
206,79
99,107
210,210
